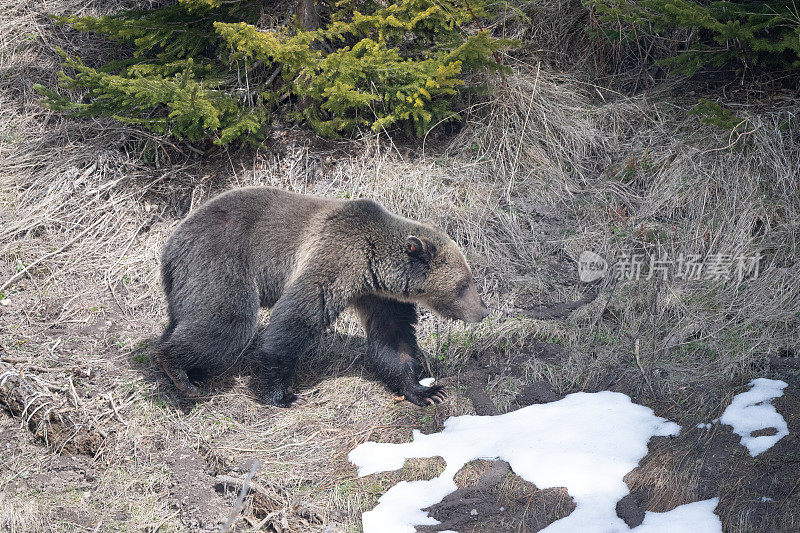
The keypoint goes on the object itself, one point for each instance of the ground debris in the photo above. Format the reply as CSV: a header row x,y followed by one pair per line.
x,y
46,412
273,507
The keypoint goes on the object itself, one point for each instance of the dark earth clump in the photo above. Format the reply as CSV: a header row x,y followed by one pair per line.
x,y
536,392
629,508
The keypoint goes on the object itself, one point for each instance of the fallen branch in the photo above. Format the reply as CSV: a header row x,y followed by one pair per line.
x,y
237,509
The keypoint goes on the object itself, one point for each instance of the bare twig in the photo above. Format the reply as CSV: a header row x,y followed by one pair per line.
x,y
237,508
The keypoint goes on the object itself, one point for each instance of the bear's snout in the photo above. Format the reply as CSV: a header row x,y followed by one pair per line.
x,y
473,309
478,314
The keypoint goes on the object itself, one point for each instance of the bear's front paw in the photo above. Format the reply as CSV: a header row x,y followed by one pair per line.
x,y
291,399
278,395
424,396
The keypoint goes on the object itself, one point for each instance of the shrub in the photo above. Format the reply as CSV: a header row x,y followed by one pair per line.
x,y
765,33
203,69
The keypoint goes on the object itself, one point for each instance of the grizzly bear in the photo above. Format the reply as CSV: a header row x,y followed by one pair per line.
x,y
307,258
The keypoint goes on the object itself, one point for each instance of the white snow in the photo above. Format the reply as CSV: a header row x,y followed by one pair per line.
x,y
584,442
704,426
751,411
689,518
427,382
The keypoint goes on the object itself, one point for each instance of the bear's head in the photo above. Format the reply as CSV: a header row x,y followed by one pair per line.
x,y
444,281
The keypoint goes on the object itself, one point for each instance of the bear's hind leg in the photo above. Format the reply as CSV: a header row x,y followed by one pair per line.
x,y
165,356
207,342
392,348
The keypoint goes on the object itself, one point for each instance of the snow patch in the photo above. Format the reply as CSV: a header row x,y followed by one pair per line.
x,y
692,517
584,442
751,411
427,382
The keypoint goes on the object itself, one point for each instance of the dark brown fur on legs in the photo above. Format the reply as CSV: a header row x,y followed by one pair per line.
x,y
307,258
392,349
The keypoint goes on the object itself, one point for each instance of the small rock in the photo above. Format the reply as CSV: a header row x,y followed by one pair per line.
x,y
473,512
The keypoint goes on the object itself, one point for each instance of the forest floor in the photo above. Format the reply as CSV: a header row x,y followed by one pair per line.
x,y
93,436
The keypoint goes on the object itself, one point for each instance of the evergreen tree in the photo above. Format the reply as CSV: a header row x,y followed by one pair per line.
x,y
201,69
766,33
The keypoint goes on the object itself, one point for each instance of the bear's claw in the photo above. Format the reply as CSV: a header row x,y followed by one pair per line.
x,y
180,379
424,396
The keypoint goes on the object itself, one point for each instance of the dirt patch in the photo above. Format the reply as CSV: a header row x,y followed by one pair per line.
x,y
630,508
65,472
546,351
65,516
465,510
536,392
530,308
193,492
513,505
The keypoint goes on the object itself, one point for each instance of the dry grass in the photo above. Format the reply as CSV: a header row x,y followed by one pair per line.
x,y
567,36
544,169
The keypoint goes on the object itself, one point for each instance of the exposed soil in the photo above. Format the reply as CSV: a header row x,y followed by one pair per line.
x,y
630,508
516,505
536,392
192,491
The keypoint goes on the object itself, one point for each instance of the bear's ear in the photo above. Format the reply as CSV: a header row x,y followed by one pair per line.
x,y
420,248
